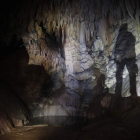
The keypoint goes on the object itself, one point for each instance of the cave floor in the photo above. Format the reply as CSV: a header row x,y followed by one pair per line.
x,y
108,129
124,127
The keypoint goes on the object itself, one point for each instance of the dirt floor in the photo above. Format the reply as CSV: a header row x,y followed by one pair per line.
x,y
126,127
108,130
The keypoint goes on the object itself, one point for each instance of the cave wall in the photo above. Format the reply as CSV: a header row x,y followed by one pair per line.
x,y
68,67
86,33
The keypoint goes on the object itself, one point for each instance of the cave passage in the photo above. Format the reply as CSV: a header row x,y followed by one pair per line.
x,y
70,70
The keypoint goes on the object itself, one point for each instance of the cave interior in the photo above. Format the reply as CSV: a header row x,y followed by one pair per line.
x,y
70,70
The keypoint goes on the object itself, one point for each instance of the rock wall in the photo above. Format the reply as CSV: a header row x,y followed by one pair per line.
x,y
74,41
13,111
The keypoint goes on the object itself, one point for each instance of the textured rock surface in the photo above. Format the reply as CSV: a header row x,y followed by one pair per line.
x,y
13,111
69,66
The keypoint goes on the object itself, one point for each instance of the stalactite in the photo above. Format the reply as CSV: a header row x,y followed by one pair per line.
x,y
78,39
130,8
137,16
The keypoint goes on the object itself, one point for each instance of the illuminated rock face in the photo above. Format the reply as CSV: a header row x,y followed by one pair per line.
x,y
86,33
74,41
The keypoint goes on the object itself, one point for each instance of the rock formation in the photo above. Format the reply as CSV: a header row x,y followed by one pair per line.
x,y
63,54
